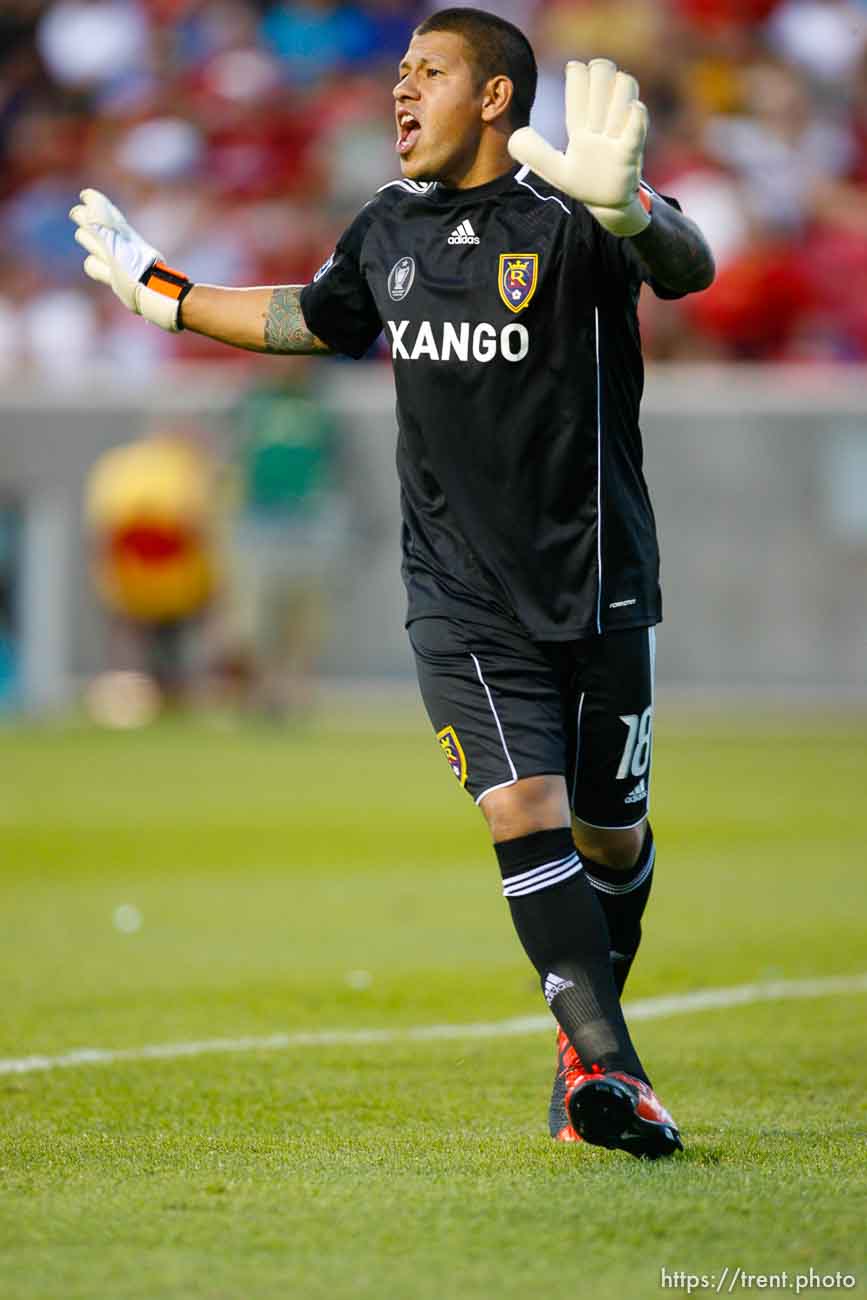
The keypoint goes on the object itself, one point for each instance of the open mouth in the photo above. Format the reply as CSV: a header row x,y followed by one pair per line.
x,y
408,128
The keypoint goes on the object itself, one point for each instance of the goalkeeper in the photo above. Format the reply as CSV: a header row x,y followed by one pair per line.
x,y
506,276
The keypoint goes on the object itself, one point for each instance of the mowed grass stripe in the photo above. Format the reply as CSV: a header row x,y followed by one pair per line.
x,y
644,1009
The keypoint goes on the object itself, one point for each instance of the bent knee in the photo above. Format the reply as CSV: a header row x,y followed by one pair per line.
x,y
535,803
617,849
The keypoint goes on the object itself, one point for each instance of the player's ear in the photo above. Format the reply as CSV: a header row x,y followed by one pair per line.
x,y
496,98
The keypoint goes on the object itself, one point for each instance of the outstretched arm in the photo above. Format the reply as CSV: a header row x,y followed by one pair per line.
x,y
267,319
674,250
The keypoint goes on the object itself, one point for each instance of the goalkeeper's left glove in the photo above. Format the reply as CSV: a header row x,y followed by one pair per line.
x,y
120,258
607,125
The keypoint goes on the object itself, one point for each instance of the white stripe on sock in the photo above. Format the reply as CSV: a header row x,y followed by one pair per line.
x,y
542,867
533,887
606,887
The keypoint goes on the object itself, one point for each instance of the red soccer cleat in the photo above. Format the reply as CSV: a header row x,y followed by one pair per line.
x,y
570,1070
622,1113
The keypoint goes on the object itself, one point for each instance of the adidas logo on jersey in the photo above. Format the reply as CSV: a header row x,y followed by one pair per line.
x,y
464,234
639,793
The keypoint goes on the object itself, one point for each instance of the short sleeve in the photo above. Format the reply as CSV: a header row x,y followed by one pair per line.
x,y
621,260
337,304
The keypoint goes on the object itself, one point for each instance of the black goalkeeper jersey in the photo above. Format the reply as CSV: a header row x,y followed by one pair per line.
x,y
511,318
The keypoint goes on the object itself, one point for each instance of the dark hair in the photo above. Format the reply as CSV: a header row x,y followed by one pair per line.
x,y
497,48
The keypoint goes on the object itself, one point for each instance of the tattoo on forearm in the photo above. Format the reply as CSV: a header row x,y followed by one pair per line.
x,y
285,327
675,251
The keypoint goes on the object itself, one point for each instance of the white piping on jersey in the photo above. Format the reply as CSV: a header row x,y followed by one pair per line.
x,y
412,187
426,187
519,177
496,718
598,479
544,198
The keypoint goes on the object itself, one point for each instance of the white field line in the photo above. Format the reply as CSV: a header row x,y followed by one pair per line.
x,y
675,1004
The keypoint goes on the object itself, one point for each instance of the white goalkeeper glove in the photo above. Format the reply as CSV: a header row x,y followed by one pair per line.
x,y
607,125
119,257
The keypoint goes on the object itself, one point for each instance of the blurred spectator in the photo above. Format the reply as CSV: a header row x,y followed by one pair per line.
x,y
150,509
161,150
315,37
782,146
716,18
245,134
823,37
94,44
289,535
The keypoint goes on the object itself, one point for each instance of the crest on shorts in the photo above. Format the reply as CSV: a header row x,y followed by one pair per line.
x,y
518,277
451,747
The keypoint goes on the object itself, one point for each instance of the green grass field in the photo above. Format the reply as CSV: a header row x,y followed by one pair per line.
x,y
336,879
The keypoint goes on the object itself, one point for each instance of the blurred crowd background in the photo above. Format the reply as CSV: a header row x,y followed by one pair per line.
x,y
235,521
242,135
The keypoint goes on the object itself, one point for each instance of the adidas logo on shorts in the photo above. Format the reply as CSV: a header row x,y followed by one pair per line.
x,y
639,793
464,234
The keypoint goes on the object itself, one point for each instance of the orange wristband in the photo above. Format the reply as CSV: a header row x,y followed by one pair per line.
x,y
166,280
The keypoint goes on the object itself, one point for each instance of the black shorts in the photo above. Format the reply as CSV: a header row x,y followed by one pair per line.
x,y
505,707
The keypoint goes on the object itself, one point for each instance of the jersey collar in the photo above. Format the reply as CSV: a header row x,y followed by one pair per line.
x,y
440,194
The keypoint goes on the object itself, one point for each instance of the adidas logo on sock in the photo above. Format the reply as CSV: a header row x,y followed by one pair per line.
x,y
639,793
464,234
555,984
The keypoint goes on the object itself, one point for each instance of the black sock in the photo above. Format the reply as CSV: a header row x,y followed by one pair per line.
x,y
563,929
623,896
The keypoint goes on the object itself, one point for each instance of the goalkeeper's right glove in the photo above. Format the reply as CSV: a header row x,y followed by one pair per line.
x,y
119,257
